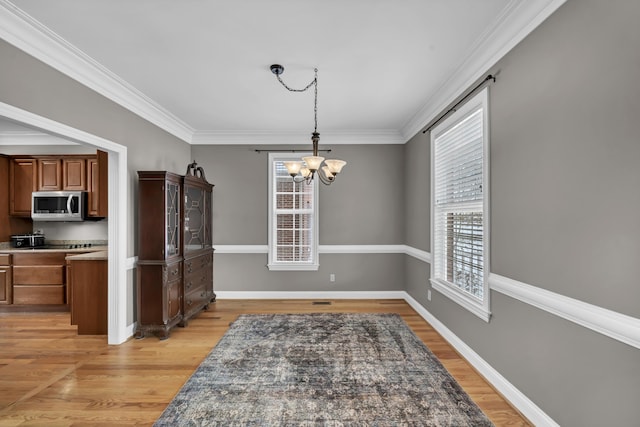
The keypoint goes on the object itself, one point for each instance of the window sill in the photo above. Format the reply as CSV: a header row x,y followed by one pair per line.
x,y
293,267
468,302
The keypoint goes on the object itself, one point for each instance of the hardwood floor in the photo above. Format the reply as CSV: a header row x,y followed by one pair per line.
x,y
51,376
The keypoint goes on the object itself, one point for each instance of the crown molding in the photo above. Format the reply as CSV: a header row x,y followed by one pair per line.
x,y
29,35
31,138
518,19
361,137
18,28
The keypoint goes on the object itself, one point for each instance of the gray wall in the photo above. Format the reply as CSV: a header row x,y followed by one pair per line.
x,y
564,205
33,86
28,84
564,181
363,207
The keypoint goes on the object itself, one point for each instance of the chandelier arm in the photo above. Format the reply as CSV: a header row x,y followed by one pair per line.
x,y
324,179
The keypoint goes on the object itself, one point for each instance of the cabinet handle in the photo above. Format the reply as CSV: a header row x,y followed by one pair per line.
x,y
174,272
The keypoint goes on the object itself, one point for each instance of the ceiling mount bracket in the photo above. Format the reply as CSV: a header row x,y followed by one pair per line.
x,y
277,69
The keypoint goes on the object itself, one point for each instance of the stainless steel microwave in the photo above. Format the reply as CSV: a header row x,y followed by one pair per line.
x,y
58,205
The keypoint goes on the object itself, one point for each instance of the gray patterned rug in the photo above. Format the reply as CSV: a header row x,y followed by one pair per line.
x,y
321,370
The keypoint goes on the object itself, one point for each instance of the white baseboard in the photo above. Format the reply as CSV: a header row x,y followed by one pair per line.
x,y
521,402
311,295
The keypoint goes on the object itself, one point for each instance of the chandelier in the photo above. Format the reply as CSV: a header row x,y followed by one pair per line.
x,y
310,166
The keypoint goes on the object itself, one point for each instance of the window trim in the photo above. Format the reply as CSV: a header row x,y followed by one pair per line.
x,y
273,264
480,308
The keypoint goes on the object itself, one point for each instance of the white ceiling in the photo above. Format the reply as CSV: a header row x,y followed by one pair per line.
x,y
200,69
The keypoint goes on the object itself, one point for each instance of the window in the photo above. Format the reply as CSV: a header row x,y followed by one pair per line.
x,y
293,218
460,201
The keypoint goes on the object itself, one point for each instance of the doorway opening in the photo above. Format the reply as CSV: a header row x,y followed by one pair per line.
x,y
118,300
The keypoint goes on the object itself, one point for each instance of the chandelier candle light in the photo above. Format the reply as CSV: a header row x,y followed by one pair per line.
x,y
309,166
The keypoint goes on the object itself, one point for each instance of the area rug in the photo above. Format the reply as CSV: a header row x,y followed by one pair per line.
x,y
321,369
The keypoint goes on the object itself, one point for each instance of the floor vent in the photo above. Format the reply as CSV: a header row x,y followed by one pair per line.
x,y
321,303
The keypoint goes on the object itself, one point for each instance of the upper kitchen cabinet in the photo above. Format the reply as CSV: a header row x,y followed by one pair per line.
x,y
54,173
49,174
98,185
68,173
23,180
10,225
74,174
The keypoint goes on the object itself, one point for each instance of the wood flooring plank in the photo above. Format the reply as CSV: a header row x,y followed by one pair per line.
x,y
51,376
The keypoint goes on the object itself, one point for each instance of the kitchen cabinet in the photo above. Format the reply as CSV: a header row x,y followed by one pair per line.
x,y
38,278
175,255
10,225
53,173
23,180
89,293
49,174
69,281
69,285
5,279
98,185
74,175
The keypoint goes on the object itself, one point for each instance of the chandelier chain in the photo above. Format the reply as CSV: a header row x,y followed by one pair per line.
x,y
308,167
314,83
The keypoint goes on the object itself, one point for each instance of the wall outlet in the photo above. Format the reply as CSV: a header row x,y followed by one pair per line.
x,y
429,294
332,277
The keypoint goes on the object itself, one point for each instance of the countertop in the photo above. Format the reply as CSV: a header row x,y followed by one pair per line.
x,y
63,250
90,256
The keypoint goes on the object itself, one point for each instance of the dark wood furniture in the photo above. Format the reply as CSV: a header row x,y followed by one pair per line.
x,y
38,278
10,225
159,269
6,287
74,175
88,283
50,174
72,172
23,180
197,247
98,185
175,254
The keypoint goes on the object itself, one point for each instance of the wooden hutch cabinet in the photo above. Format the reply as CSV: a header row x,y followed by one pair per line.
x,y
175,255
198,250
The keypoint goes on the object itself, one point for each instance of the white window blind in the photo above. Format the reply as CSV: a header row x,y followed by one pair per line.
x,y
293,220
459,199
